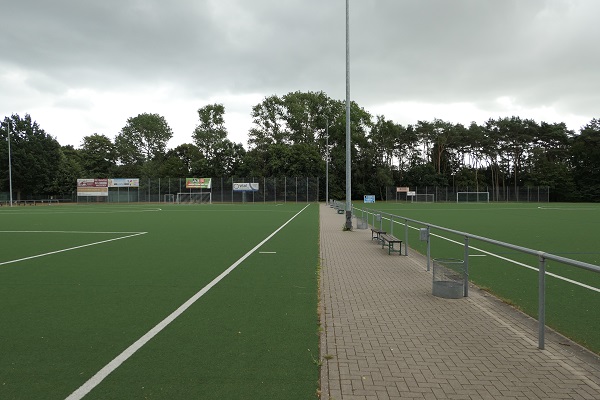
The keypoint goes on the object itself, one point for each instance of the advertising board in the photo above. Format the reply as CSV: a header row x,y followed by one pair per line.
x,y
198,183
245,187
124,182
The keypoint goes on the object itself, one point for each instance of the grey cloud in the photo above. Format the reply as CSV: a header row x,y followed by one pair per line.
x,y
542,53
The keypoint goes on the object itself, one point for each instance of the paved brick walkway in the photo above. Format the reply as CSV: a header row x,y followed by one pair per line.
x,y
386,337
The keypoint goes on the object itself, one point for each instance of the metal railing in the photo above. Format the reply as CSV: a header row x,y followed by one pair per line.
x,y
542,257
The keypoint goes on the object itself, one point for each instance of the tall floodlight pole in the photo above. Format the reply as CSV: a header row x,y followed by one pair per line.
x,y
348,153
327,160
9,166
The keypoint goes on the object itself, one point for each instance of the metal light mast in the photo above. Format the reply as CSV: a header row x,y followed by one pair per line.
x,y
9,166
348,153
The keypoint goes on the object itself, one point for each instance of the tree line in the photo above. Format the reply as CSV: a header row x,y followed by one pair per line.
x,y
293,135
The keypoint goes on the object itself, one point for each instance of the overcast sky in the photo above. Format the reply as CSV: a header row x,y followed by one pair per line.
x,y
81,67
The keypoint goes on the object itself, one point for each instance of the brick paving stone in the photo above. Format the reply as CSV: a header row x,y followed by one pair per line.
x,y
387,337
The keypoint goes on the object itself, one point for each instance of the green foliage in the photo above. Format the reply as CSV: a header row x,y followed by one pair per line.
x,y
143,138
35,158
98,156
295,134
586,161
223,157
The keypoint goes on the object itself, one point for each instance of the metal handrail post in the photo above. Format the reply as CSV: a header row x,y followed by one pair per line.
x,y
428,248
541,302
466,267
406,237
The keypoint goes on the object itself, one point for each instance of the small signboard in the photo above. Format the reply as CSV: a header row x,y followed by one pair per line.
x,y
198,183
411,193
124,182
402,189
92,183
369,198
245,187
92,187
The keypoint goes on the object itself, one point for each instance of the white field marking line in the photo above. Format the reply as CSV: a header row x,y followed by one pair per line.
x,y
138,344
477,255
569,208
267,252
78,212
78,232
583,285
72,248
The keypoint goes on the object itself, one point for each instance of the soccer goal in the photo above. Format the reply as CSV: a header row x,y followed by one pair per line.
x,y
423,198
194,198
472,197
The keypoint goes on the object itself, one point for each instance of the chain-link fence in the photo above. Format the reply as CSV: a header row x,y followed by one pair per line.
x,y
164,190
533,194
294,189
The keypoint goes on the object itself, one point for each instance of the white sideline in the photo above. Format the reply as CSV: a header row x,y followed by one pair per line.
x,y
128,352
68,249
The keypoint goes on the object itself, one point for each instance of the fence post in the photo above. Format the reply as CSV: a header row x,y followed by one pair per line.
x,y
307,189
405,237
428,247
466,268
541,301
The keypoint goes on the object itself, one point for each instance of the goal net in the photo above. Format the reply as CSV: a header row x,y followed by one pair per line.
x,y
472,197
423,198
169,198
194,198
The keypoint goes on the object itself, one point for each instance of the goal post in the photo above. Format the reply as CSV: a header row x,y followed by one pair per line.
x,y
472,197
423,198
194,198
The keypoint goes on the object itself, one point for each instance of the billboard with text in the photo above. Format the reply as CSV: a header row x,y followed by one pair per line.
x,y
198,183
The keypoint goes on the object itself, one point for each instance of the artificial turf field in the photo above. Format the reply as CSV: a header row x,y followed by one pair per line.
x,y
567,230
80,284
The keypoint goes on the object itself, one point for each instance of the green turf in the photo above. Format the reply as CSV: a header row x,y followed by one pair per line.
x,y
66,315
568,230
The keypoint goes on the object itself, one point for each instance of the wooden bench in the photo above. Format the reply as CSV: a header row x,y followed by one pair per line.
x,y
376,234
390,241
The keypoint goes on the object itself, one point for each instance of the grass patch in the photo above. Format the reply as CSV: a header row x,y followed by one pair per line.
x,y
67,315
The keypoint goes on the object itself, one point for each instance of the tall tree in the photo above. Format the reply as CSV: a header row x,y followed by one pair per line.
x,y
143,138
35,157
98,156
69,170
210,136
586,161
210,132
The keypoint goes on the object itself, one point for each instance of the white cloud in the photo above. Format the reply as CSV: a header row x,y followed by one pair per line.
x,y
85,67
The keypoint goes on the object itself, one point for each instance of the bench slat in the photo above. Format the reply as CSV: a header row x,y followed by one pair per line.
x,y
390,240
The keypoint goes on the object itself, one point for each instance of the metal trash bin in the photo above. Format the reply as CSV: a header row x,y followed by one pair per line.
x,y
361,223
448,278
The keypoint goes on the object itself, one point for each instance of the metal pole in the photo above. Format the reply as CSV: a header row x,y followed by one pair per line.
x,y
9,167
541,302
406,237
428,247
348,153
327,160
466,268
